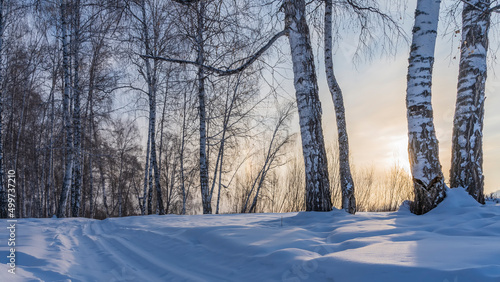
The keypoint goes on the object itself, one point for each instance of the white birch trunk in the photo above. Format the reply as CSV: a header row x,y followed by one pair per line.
x,y
346,182
220,176
103,187
120,190
145,183
309,108
150,185
154,163
77,169
61,210
206,196
50,186
152,87
423,147
181,154
146,174
467,153
91,182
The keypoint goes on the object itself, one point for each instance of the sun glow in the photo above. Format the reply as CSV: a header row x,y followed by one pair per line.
x,y
398,152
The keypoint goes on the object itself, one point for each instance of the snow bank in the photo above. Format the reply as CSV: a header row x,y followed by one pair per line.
x,y
458,241
457,199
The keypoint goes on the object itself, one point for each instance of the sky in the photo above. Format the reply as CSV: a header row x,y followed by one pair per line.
x,y
374,96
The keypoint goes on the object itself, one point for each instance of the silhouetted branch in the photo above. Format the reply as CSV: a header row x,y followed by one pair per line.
x,y
226,71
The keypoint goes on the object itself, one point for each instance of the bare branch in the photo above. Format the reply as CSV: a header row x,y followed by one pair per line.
x,y
495,9
226,71
475,6
186,2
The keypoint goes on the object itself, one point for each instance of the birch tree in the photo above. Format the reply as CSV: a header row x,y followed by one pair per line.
x,y
309,107
77,128
182,150
61,209
423,147
346,182
50,177
206,198
151,75
467,153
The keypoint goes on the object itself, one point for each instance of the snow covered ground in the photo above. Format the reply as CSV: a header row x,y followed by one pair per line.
x,y
458,241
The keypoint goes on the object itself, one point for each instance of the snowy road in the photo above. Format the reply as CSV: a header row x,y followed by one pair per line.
x,y
459,241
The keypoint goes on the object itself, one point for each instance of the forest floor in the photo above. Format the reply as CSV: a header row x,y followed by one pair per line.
x,y
458,241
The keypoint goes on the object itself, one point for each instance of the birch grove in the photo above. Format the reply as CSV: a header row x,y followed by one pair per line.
x,y
137,107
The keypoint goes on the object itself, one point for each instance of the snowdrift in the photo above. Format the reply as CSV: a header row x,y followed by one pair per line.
x,y
458,241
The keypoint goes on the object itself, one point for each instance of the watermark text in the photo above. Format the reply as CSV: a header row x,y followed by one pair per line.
x,y
11,200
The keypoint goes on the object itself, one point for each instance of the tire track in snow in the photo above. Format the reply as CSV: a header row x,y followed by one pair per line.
x,y
128,262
